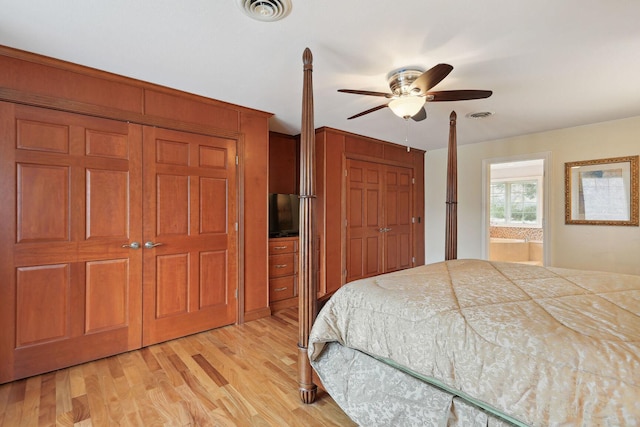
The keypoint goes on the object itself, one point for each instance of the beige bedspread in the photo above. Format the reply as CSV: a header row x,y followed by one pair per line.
x,y
548,346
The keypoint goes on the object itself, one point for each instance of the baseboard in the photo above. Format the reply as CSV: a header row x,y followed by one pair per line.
x,y
257,314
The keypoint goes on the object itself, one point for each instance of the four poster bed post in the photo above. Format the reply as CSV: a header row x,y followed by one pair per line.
x,y
307,300
451,233
307,267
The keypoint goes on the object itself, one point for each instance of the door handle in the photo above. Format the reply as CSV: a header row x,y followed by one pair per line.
x,y
132,245
151,245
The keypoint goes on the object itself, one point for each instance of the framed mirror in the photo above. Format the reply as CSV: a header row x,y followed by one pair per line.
x,y
602,192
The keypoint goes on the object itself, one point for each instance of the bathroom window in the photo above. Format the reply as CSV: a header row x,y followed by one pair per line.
x,y
515,203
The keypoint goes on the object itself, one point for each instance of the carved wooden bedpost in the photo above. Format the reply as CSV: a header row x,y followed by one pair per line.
x,y
451,233
307,267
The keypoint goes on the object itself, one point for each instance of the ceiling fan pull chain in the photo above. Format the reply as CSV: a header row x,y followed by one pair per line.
x,y
406,136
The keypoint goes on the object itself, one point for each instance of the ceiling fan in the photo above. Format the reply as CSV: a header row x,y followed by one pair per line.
x,y
410,89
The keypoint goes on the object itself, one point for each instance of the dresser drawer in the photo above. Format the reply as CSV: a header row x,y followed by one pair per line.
x,y
282,265
282,288
283,246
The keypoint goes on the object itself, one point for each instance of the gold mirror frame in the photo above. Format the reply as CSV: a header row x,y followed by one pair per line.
x,y
625,168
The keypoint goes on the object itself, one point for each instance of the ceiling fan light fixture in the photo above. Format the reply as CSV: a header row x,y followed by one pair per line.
x,y
400,80
406,106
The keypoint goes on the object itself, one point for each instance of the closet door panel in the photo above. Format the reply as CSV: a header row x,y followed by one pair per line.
x,y
172,285
373,262
213,206
190,277
172,212
107,197
43,188
364,220
355,262
213,269
398,222
73,187
42,304
107,289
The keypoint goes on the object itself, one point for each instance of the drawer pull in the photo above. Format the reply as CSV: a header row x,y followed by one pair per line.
x,y
280,289
281,266
280,247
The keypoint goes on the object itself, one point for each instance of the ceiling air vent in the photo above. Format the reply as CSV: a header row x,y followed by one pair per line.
x,y
480,115
265,10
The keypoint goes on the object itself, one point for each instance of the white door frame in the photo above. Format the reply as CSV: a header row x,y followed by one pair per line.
x,y
546,180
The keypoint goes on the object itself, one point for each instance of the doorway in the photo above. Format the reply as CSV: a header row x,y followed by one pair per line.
x,y
516,207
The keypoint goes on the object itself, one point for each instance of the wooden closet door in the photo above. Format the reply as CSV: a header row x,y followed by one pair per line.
x,y
190,278
397,218
364,219
70,198
379,202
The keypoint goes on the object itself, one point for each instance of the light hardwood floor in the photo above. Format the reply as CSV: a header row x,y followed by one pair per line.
x,y
233,376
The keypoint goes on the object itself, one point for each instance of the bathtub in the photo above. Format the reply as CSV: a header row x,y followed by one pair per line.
x,y
515,250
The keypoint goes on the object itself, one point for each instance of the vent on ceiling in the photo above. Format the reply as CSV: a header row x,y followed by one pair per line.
x,y
480,115
265,10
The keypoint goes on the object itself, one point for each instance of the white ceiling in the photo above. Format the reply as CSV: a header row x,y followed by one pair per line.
x,y
550,63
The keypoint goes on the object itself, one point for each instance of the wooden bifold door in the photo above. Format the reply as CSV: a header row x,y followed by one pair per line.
x,y
114,236
378,218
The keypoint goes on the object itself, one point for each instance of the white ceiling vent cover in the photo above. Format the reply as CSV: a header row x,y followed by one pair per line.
x,y
480,115
265,10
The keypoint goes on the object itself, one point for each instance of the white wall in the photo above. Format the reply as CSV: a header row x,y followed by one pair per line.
x,y
592,247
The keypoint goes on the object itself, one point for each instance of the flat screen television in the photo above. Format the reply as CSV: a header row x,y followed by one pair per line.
x,y
283,215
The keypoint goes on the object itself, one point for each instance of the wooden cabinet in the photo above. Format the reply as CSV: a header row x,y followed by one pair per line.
x,y
370,207
94,166
284,163
283,272
284,177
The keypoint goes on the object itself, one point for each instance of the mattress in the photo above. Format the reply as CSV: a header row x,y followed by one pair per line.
x,y
542,346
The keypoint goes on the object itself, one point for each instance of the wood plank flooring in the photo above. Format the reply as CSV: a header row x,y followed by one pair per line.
x,y
233,376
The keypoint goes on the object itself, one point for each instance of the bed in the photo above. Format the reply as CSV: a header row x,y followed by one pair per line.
x,y
468,342
526,344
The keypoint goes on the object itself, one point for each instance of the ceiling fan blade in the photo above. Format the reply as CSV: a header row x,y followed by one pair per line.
x,y
420,115
366,92
431,77
458,95
371,110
